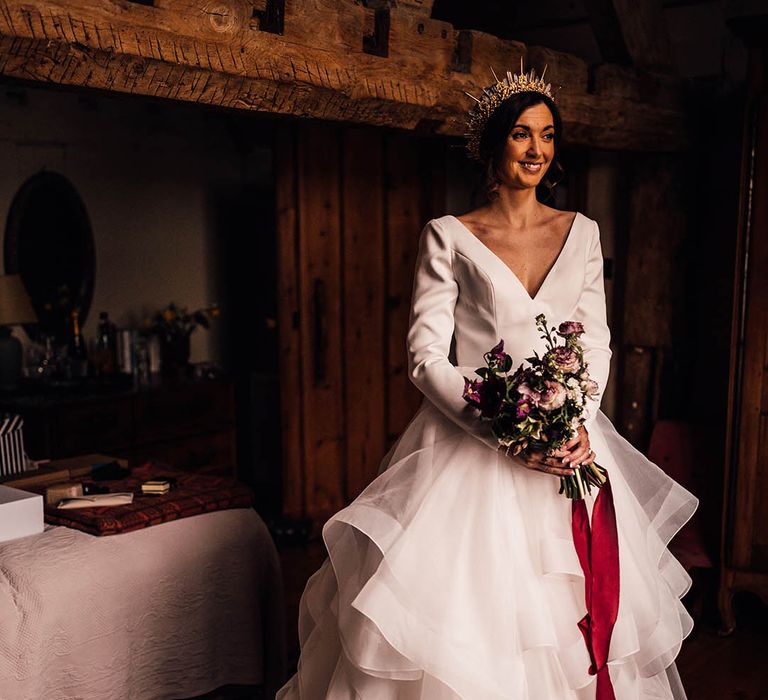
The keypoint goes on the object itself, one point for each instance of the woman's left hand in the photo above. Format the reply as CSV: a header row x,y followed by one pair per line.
x,y
577,450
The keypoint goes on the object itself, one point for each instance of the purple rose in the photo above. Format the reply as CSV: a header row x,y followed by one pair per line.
x,y
565,359
553,396
567,328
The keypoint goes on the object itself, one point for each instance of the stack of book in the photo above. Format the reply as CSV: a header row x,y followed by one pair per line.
x,y
156,486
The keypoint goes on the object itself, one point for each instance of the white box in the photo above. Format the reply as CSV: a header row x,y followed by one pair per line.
x,y
21,513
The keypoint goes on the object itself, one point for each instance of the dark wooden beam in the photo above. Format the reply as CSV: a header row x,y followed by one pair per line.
x,y
306,59
631,33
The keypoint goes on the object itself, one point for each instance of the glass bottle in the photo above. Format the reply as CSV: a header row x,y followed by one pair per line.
x,y
105,346
77,352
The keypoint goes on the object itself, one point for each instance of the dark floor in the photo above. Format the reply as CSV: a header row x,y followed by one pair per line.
x,y
727,668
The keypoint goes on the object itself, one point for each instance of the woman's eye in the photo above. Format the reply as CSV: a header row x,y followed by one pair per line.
x,y
519,134
548,136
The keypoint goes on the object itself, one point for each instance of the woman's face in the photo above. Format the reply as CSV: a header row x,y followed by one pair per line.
x,y
529,149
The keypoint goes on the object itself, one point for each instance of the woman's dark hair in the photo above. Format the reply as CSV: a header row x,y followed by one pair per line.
x,y
496,131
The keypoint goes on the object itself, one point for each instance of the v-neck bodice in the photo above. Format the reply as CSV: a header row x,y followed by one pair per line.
x,y
550,271
492,303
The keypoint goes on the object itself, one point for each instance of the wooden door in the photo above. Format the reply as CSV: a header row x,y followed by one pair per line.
x,y
351,203
745,525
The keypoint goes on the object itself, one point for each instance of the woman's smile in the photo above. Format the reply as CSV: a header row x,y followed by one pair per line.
x,y
531,167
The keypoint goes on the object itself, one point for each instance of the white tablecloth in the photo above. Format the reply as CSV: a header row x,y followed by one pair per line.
x,y
172,611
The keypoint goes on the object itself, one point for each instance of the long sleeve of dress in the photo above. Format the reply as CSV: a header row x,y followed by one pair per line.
x,y
430,332
591,311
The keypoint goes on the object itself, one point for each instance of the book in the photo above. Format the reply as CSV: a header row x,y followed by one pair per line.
x,y
97,499
156,486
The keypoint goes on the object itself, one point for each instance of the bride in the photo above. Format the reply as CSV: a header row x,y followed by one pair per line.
x,y
456,573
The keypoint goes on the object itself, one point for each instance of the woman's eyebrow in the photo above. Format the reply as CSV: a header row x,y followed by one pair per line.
x,y
528,128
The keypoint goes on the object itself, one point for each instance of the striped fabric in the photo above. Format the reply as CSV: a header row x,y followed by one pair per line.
x,y
12,457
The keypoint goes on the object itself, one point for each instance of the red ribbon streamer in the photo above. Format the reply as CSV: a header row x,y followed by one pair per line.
x,y
598,551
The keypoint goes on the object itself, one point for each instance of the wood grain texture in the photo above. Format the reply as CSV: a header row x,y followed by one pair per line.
x,y
364,300
645,32
351,204
744,550
320,318
404,201
216,53
640,393
289,329
654,303
657,234
750,527
630,32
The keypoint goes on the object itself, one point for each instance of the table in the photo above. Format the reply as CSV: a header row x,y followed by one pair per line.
x,y
172,611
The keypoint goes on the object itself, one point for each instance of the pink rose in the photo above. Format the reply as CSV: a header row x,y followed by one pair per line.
x,y
591,388
527,394
565,359
553,396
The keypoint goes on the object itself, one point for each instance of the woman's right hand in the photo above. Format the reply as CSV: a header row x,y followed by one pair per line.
x,y
542,463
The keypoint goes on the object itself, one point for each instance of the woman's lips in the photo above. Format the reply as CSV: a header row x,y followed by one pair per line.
x,y
530,167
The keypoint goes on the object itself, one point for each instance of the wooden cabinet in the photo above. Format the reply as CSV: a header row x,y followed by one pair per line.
x,y
745,523
189,425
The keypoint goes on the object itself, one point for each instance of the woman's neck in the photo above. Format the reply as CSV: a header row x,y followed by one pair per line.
x,y
515,208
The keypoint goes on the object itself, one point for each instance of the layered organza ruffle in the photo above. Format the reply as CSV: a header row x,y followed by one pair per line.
x,y
454,575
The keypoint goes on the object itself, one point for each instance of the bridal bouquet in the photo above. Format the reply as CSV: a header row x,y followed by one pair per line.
x,y
538,408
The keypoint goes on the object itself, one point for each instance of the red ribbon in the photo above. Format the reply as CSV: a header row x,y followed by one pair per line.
x,y
598,551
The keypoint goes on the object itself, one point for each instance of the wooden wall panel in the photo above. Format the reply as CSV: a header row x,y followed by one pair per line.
x,y
363,299
320,318
351,204
404,212
288,321
751,494
654,293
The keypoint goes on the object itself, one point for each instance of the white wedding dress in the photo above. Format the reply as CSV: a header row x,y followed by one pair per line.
x,y
454,574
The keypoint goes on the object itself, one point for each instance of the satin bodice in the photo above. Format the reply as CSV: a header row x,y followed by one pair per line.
x,y
466,299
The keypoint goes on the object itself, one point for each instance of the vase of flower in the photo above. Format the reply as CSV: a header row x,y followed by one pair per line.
x,y
174,354
174,326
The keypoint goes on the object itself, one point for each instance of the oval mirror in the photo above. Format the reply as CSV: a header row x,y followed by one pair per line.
x,y
49,242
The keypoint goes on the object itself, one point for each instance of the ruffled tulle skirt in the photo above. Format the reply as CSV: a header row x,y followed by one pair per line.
x,y
454,575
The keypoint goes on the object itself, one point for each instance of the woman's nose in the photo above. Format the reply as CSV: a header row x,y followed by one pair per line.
x,y
534,147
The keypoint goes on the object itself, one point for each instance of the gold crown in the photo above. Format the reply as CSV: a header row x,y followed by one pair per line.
x,y
494,95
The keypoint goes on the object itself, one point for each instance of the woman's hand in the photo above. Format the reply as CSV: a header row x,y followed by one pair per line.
x,y
561,462
576,451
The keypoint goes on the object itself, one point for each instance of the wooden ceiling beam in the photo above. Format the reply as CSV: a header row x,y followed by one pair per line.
x,y
631,33
419,7
308,58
